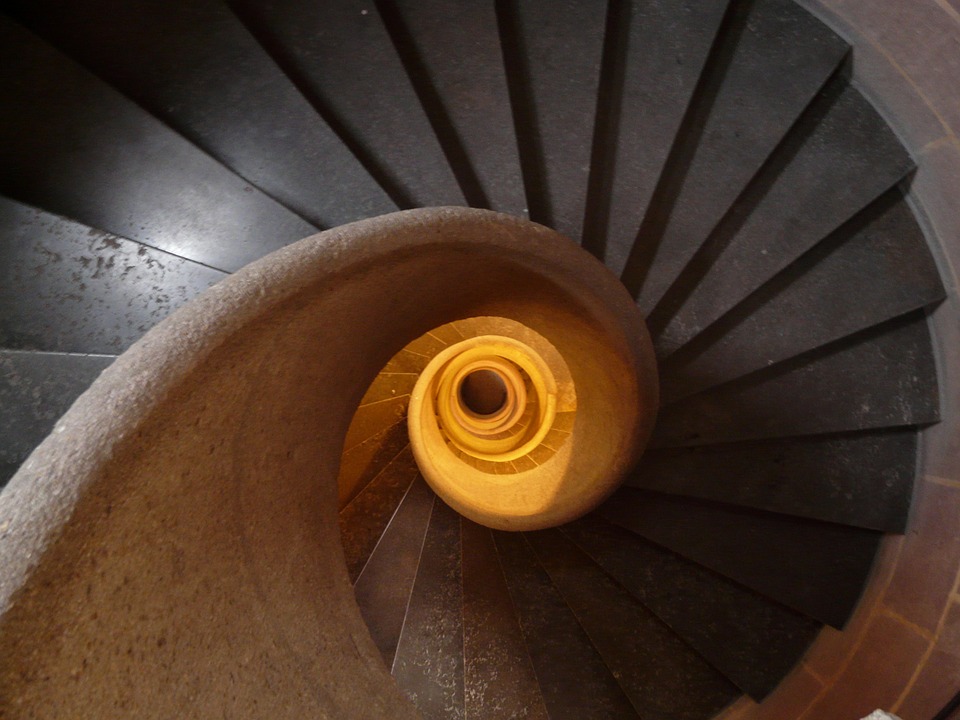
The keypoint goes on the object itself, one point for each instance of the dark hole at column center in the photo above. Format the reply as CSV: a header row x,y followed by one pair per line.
x,y
483,392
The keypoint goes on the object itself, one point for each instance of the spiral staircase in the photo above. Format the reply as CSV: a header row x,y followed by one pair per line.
x,y
721,159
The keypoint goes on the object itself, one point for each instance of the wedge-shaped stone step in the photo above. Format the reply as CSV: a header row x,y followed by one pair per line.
x,y
816,568
883,377
749,638
340,55
407,362
863,479
575,682
499,679
840,157
874,268
662,675
65,287
552,54
654,56
363,462
373,417
453,56
367,515
383,587
429,663
772,64
196,67
36,388
141,180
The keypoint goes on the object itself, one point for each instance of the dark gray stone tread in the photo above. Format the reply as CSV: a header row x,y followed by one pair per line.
x,y
816,568
664,47
863,479
882,377
72,145
664,677
65,287
341,57
36,388
452,53
553,52
822,176
749,638
196,67
364,519
429,663
372,418
365,461
499,680
778,63
575,682
7,471
383,588
877,267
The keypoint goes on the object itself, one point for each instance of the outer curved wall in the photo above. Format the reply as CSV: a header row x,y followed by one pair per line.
x,y
901,651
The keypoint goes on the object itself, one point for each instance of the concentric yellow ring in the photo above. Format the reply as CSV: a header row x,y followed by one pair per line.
x,y
510,412
504,436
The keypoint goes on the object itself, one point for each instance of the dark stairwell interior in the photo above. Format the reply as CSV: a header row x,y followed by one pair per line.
x,y
722,159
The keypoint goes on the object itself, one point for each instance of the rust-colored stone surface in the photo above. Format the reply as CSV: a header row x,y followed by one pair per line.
x,y
938,677
926,572
884,663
